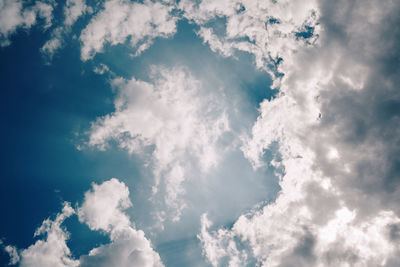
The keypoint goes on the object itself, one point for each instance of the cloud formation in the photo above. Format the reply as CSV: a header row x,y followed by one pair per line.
x,y
15,14
73,9
335,121
102,210
52,250
176,116
124,21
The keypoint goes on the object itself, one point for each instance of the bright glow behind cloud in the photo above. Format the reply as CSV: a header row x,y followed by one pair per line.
x,y
173,114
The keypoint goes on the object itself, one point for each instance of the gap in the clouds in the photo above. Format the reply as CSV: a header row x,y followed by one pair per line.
x,y
81,239
233,187
182,252
218,25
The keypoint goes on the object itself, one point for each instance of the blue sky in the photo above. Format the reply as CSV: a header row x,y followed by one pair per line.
x,y
199,133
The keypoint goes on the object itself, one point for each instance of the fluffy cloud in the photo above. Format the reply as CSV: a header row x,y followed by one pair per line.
x,y
53,250
15,14
336,123
173,114
261,28
121,21
103,210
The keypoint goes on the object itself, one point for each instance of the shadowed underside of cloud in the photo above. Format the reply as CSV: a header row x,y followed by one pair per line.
x,y
336,121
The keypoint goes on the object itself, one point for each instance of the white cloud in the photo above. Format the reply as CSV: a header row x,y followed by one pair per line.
x,y
121,21
334,121
101,69
103,209
261,28
13,253
173,113
52,250
219,247
73,9
14,14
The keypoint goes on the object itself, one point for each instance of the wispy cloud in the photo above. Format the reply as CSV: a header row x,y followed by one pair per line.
x,y
16,14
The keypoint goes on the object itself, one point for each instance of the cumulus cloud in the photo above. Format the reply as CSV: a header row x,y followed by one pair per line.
x,y
336,123
52,250
15,14
121,21
261,28
173,114
102,210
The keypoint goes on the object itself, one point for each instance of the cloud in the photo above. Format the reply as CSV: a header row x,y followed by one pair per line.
x,y
102,209
261,28
13,254
73,9
52,250
173,114
219,247
336,123
121,21
15,14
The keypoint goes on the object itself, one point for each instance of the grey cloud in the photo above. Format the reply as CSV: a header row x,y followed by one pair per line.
x,y
364,124
350,190
303,253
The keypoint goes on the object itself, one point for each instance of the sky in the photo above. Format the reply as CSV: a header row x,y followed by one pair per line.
x,y
200,133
